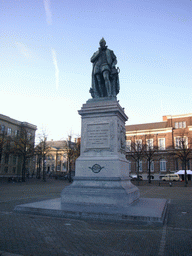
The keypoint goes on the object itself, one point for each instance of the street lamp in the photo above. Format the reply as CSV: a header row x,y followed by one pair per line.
x,y
69,159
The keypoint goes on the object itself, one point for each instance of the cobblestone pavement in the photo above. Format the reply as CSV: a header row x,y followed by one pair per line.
x,y
33,235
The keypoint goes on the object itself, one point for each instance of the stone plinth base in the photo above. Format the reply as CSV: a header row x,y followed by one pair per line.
x,y
144,211
100,192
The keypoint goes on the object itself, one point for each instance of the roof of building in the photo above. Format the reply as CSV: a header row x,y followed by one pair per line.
x,y
147,126
176,116
16,122
58,144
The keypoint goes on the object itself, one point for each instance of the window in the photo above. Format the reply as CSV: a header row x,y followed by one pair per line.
x,y
140,166
149,143
162,165
138,145
128,145
14,160
129,165
161,143
9,131
14,169
29,136
6,158
16,133
187,165
6,169
177,142
2,128
181,142
8,145
180,124
151,167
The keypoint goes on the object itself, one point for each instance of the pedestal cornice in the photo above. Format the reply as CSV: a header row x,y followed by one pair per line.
x,y
102,107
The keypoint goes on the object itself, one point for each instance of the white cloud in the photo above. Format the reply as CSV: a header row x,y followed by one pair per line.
x,y
56,67
47,4
24,50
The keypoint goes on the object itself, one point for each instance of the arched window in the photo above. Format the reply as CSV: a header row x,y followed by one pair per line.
x,y
162,165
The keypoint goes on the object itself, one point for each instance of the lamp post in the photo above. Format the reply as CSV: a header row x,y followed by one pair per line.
x,y
69,159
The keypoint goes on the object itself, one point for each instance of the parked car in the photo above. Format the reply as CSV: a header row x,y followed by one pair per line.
x,y
171,177
134,177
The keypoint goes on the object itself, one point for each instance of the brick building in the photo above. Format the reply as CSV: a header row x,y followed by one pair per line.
x,y
164,137
10,163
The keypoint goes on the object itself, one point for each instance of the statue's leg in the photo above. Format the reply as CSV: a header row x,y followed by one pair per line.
x,y
99,84
113,93
107,82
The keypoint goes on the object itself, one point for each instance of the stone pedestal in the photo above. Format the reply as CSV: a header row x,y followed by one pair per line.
x,y
101,177
101,189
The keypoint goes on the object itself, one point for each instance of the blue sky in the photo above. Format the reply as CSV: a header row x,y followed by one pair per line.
x,y
45,50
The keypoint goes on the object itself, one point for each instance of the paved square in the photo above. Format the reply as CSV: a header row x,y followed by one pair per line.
x,y
40,235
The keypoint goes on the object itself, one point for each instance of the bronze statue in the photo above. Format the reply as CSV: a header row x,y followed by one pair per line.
x,y
105,79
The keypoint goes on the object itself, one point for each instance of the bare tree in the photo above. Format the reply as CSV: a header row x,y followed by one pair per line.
x,y
183,151
22,145
136,152
41,150
73,152
149,152
3,141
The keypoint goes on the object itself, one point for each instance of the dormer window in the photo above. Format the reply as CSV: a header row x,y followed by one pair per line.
x,y
180,125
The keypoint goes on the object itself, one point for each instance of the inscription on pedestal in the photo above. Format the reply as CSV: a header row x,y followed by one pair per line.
x,y
97,136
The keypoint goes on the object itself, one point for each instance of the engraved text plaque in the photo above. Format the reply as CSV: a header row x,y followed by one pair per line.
x,y
97,136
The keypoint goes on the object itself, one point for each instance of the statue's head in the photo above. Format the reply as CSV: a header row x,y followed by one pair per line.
x,y
102,42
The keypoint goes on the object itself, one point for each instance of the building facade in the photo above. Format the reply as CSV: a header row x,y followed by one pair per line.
x,y
163,139
56,158
10,162
60,157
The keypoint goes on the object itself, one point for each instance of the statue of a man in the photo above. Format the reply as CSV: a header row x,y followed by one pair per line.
x,y
105,79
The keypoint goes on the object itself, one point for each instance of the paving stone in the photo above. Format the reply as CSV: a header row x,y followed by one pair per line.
x,y
31,235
